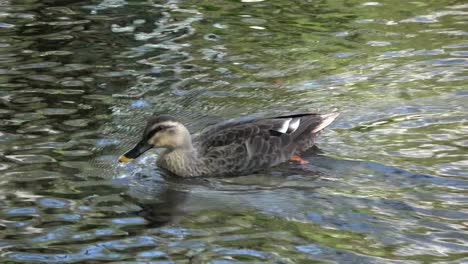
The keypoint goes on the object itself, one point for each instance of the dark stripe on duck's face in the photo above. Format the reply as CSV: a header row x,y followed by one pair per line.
x,y
155,130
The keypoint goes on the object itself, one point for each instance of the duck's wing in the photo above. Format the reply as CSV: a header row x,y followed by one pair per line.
x,y
261,141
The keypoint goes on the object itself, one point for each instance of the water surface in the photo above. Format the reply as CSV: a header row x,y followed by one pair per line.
x,y
388,183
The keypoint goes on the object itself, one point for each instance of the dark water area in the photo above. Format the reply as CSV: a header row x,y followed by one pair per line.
x,y
387,184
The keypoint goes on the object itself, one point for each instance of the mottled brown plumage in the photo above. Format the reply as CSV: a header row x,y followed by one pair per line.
x,y
231,148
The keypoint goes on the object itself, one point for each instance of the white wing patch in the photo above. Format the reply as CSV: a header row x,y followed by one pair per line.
x,y
285,126
289,125
294,125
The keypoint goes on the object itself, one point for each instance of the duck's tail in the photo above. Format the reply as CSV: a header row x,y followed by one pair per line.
x,y
327,119
317,123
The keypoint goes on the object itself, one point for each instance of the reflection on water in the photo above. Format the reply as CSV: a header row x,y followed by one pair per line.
x,y
78,79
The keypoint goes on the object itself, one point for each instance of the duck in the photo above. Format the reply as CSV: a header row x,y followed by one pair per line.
x,y
231,148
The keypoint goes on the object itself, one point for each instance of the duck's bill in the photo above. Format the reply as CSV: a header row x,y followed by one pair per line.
x,y
135,152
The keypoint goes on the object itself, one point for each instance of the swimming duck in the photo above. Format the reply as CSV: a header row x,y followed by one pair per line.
x,y
230,148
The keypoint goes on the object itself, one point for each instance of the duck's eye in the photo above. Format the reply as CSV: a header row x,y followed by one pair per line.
x,y
171,131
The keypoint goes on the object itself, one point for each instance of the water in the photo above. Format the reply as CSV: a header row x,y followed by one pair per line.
x,y
387,184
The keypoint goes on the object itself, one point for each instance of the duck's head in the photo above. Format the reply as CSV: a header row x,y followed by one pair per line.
x,y
161,132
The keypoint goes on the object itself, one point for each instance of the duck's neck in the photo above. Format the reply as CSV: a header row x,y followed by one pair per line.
x,y
183,162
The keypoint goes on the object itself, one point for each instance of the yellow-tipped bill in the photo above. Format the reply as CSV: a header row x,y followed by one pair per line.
x,y
135,152
124,158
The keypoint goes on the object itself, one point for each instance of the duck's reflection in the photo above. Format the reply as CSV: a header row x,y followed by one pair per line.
x,y
162,199
166,209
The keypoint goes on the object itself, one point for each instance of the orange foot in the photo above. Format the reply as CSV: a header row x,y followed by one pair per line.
x,y
298,159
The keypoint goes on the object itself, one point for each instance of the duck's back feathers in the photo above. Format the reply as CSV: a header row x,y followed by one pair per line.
x,y
250,144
